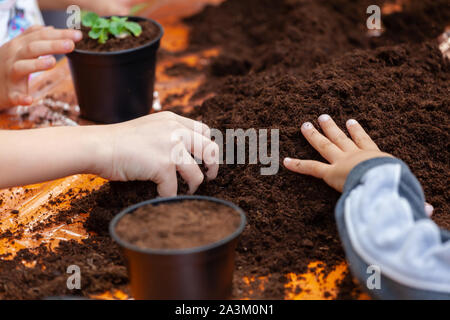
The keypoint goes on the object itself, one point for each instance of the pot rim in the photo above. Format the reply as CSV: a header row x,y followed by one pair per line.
x,y
114,53
173,252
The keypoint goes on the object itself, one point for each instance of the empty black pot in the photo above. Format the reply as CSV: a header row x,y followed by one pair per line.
x,y
115,86
199,273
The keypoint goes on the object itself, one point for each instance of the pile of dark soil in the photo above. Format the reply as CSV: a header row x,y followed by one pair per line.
x,y
180,225
149,32
99,259
288,62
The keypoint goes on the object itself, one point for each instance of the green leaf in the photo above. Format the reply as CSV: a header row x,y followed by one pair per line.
x,y
103,36
134,28
101,28
88,19
117,26
95,33
101,23
118,19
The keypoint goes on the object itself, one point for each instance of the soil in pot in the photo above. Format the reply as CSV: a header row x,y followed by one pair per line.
x,y
181,225
149,32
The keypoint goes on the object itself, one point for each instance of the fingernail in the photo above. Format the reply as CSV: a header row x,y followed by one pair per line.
x,y
307,125
48,61
67,45
351,122
429,209
287,160
78,35
324,117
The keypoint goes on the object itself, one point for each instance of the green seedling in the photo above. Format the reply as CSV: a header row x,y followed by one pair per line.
x,y
102,28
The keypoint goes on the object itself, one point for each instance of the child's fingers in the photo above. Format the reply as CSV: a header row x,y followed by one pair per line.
x,y
211,155
23,68
429,209
49,33
360,137
325,147
20,99
335,134
168,184
202,148
190,171
32,29
36,49
309,167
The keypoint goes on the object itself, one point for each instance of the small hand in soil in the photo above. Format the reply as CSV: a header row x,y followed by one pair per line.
x,y
154,148
342,152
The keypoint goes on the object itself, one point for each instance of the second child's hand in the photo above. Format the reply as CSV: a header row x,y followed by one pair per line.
x,y
20,57
342,153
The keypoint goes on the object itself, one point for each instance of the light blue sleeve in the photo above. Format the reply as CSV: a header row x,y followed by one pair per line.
x,y
382,224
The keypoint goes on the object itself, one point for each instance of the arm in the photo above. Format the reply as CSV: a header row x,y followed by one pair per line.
x,y
154,148
382,222
381,215
29,156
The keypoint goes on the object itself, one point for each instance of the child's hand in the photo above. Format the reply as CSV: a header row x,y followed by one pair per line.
x,y
150,148
20,58
342,153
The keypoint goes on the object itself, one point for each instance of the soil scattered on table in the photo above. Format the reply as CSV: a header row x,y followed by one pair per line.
x,y
182,69
182,225
149,32
52,110
302,58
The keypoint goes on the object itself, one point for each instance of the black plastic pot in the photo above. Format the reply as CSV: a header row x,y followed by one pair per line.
x,y
115,86
199,273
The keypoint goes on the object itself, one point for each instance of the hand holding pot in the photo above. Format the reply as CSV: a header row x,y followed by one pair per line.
x,y
342,152
155,147
20,58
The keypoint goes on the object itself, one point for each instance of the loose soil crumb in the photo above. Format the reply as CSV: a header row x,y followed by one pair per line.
x,y
304,58
149,32
349,288
182,225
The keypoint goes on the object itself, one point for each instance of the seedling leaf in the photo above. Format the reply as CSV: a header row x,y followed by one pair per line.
x,y
134,28
117,25
118,19
88,19
103,36
95,33
101,28
101,23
